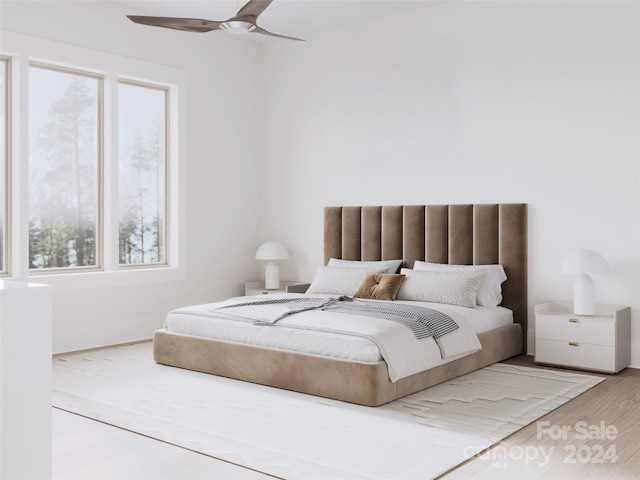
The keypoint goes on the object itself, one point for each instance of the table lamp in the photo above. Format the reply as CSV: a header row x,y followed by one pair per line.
x,y
272,251
583,262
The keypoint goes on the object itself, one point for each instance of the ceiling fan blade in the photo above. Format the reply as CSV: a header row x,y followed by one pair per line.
x,y
186,24
252,8
265,32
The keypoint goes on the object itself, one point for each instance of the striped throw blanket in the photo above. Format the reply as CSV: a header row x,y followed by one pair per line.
x,y
422,321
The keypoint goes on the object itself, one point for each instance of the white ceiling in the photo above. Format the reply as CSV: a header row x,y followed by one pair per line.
x,y
296,18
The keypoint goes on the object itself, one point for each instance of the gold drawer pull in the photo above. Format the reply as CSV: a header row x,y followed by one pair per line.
x,y
574,320
574,344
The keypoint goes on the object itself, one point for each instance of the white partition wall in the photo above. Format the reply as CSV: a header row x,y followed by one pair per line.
x,y
25,380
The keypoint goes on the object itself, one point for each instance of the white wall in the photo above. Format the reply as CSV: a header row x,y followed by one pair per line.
x,y
467,102
221,192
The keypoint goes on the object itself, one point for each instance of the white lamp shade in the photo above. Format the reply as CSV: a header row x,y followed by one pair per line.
x,y
272,251
584,261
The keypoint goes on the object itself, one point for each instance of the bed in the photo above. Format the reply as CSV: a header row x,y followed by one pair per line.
x,y
479,234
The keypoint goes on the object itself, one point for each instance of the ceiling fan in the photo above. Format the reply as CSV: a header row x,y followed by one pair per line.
x,y
244,21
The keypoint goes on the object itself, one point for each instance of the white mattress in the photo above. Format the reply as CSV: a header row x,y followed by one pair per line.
x,y
347,347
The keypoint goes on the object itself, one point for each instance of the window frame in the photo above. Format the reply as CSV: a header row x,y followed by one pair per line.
x,y
166,164
99,179
5,270
24,50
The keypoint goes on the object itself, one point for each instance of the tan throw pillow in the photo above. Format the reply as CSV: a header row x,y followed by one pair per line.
x,y
379,286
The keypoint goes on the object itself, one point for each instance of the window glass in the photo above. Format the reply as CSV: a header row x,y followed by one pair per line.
x,y
142,174
64,155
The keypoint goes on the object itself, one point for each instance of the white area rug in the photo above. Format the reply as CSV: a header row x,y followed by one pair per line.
x,y
298,436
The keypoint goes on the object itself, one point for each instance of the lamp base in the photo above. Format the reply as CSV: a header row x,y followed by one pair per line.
x,y
272,276
584,295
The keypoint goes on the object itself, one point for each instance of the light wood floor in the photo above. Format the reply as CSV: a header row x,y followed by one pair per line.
x,y
86,449
541,451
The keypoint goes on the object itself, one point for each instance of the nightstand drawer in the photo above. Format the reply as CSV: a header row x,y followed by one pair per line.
x,y
576,329
580,355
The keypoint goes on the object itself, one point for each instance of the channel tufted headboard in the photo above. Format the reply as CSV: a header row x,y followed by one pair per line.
x,y
456,234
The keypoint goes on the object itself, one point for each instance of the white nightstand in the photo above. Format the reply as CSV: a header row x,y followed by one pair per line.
x,y
599,342
257,288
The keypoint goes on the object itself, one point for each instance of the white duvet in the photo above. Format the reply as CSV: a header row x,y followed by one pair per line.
x,y
352,337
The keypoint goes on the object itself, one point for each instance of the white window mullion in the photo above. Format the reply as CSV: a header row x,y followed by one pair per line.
x,y
5,158
19,237
110,174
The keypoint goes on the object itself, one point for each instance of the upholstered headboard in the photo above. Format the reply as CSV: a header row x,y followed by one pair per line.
x,y
455,234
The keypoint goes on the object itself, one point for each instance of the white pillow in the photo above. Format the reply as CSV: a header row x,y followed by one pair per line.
x,y
455,288
337,280
378,266
490,293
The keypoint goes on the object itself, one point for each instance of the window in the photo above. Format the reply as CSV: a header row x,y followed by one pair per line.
x,y
4,159
64,166
142,174
93,166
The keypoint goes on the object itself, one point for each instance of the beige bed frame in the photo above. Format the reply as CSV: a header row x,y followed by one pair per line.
x,y
454,234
